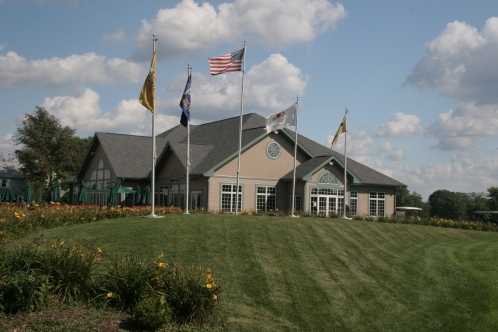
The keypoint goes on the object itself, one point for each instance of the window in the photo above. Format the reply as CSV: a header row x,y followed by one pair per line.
x,y
298,203
196,200
265,199
3,184
273,150
228,198
353,203
326,201
178,195
376,204
164,196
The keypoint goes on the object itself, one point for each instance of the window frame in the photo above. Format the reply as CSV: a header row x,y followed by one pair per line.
x,y
266,195
374,196
353,198
232,194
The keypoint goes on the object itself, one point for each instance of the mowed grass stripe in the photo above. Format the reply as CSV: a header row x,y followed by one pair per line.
x,y
319,274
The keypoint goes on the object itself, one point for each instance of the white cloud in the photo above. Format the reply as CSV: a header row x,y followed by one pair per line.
x,y
459,64
83,113
401,125
88,68
270,86
371,151
192,26
465,172
114,36
459,128
461,173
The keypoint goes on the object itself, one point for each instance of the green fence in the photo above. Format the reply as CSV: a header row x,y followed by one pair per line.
x,y
7,195
117,195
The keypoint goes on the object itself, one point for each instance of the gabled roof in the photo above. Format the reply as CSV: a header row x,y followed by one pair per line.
x,y
215,143
308,167
362,173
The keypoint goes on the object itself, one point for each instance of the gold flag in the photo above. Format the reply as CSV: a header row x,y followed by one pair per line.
x,y
147,95
342,129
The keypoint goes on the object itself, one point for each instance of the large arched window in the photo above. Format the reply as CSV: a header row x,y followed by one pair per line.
x,y
329,178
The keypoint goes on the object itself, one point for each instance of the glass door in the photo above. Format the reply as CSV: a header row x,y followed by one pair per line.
x,y
322,206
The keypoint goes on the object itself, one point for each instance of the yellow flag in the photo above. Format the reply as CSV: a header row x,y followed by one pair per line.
x,y
342,129
147,95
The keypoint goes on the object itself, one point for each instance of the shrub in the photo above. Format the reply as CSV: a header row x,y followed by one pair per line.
x,y
192,294
126,281
22,291
69,269
151,312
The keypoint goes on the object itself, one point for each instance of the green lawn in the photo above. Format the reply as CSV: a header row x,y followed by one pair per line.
x,y
321,274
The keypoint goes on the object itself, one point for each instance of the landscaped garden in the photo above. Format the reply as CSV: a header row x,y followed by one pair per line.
x,y
258,273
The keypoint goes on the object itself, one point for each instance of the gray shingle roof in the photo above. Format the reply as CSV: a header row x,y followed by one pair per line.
x,y
129,155
214,143
307,167
363,173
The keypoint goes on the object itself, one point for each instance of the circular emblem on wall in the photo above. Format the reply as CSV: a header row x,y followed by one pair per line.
x,y
273,150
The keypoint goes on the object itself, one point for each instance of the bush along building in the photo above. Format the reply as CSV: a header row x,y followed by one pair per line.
x,y
118,169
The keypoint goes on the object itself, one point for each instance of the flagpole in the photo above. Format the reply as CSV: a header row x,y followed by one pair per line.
x,y
240,131
345,162
294,171
189,70
153,184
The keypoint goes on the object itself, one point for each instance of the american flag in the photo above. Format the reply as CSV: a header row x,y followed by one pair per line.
x,y
227,62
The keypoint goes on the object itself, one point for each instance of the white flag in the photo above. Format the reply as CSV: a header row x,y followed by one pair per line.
x,y
282,119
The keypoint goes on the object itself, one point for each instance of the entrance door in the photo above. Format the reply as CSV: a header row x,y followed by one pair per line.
x,y
332,208
326,202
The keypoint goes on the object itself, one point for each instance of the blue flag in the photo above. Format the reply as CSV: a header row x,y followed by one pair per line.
x,y
185,103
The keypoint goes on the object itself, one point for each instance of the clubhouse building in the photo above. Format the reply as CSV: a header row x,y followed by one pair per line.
x,y
265,176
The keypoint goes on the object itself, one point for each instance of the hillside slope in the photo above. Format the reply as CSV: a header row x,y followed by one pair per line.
x,y
321,274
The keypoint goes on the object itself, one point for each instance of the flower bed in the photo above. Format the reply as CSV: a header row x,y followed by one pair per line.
x,y
16,220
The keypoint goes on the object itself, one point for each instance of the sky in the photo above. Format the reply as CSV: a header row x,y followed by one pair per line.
x,y
420,78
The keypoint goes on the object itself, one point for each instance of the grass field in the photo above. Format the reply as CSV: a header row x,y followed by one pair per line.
x,y
321,274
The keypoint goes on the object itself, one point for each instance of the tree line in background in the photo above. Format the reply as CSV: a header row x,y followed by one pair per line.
x,y
451,205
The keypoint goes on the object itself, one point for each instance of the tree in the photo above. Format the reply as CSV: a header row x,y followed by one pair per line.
x,y
404,197
448,204
49,152
493,198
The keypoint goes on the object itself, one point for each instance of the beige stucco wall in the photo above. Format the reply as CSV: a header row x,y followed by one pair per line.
x,y
255,164
363,200
249,185
257,169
